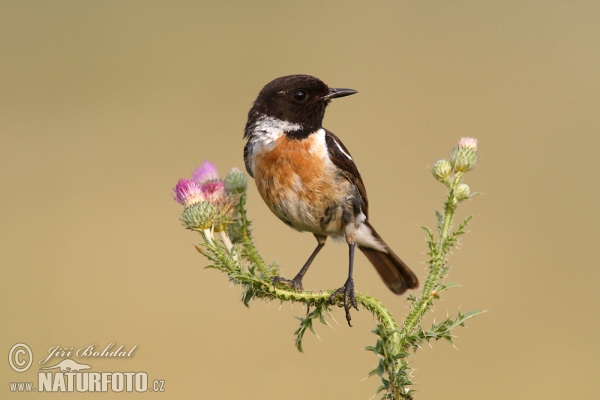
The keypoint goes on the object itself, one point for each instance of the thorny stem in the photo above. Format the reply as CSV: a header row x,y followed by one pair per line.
x,y
438,259
248,247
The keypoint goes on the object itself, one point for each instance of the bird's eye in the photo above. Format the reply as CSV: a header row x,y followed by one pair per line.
x,y
299,95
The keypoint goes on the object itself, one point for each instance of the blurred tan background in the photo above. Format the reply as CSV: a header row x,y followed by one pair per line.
x,y
104,105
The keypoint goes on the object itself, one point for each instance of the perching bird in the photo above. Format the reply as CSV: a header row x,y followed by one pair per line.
x,y
309,180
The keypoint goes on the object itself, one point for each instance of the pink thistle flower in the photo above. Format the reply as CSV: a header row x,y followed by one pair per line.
x,y
213,191
188,192
464,156
468,143
205,173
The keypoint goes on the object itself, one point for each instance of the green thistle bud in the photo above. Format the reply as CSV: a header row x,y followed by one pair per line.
x,y
464,157
441,170
199,216
236,182
462,192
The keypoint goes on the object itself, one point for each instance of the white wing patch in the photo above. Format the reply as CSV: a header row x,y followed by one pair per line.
x,y
342,149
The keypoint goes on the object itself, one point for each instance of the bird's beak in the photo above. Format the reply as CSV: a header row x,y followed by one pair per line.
x,y
338,92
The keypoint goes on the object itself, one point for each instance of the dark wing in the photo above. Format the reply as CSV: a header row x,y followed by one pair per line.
x,y
248,157
339,154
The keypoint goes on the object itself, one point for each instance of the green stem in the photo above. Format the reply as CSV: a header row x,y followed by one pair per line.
x,y
421,305
383,315
265,289
248,248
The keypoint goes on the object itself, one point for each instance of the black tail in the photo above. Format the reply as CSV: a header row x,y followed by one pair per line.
x,y
396,275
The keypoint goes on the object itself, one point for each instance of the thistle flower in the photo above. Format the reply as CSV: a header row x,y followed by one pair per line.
x,y
227,213
464,156
441,170
207,204
236,182
200,216
205,173
468,143
462,192
213,190
188,192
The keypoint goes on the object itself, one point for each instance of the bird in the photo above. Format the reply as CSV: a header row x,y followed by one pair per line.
x,y
309,180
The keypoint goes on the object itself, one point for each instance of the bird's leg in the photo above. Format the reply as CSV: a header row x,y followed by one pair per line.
x,y
297,281
348,288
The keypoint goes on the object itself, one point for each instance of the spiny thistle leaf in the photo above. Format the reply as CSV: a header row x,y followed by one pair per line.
x,y
247,296
307,323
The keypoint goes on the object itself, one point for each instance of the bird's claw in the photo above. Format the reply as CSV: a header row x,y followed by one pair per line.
x,y
349,299
295,283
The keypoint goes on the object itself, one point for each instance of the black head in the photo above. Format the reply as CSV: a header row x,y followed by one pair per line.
x,y
297,99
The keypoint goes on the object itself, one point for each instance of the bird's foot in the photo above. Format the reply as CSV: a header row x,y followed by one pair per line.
x,y
349,299
295,283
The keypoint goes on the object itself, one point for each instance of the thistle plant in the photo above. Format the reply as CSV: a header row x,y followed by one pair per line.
x,y
217,210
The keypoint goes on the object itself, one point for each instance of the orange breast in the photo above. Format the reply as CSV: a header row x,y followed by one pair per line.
x,y
291,164
300,184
